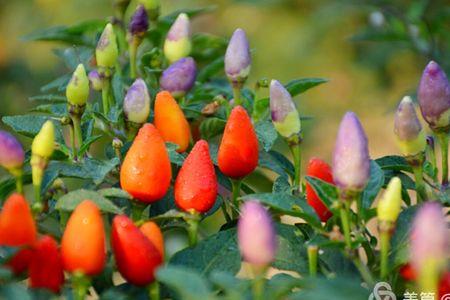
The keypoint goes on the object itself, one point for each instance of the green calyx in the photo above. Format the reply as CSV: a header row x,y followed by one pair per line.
x,y
77,91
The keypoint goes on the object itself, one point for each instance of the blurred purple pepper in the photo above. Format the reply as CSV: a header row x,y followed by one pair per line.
x,y
410,136
139,22
256,235
429,245
285,117
95,80
434,96
179,77
178,41
136,105
11,152
351,161
237,58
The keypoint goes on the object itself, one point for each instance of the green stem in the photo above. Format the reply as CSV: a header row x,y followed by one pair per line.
x,y
106,96
344,211
225,212
312,260
153,291
76,120
132,52
297,154
237,96
136,211
364,271
37,195
432,158
443,139
236,189
420,185
384,249
192,230
19,184
258,287
72,141
81,285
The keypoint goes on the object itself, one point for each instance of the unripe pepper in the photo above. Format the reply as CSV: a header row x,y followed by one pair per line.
x,y
152,231
434,96
319,169
139,22
95,80
107,50
17,229
11,152
179,77
238,150
178,40
390,203
46,269
136,105
171,122
44,142
237,58
136,257
83,243
351,161
196,183
77,91
146,171
285,117
256,235
410,135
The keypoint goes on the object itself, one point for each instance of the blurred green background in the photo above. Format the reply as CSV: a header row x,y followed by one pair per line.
x,y
372,52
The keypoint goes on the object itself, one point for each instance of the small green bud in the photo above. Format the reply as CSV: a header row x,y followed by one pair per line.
x,y
77,91
390,203
44,142
107,51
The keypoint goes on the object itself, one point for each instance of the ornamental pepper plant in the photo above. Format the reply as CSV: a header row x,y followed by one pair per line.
x,y
154,167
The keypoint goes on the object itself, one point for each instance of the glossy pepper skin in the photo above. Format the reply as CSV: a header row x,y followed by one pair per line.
x,y
152,231
319,169
136,256
146,170
46,270
238,150
171,122
83,243
196,183
17,228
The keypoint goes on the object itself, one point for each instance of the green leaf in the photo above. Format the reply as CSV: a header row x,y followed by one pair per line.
x,y
280,285
14,290
6,253
114,193
287,204
57,110
276,162
281,185
393,162
188,284
291,252
175,157
298,86
327,192
399,252
218,252
211,69
234,288
376,182
59,84
30,125
69,201
87,143
210,127
266,133
49,98
260,109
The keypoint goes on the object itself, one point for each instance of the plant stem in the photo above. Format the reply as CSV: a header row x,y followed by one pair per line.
x,y
132,51
236,189
258,287
237,96
312,260
432,157
76,120
296,153
17,173
153,291
443,139
136,211
420,185
384,249
344,211
225,212
72,141
106,96
80,285
364,271
192,230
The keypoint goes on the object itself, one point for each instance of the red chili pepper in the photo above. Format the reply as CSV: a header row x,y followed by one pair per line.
x,y
238,150
136,257
46,270
319,169
196,183
152,231
146,170
83,243
17,229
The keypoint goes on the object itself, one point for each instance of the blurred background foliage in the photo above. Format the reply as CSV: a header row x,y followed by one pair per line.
x,y
372,52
